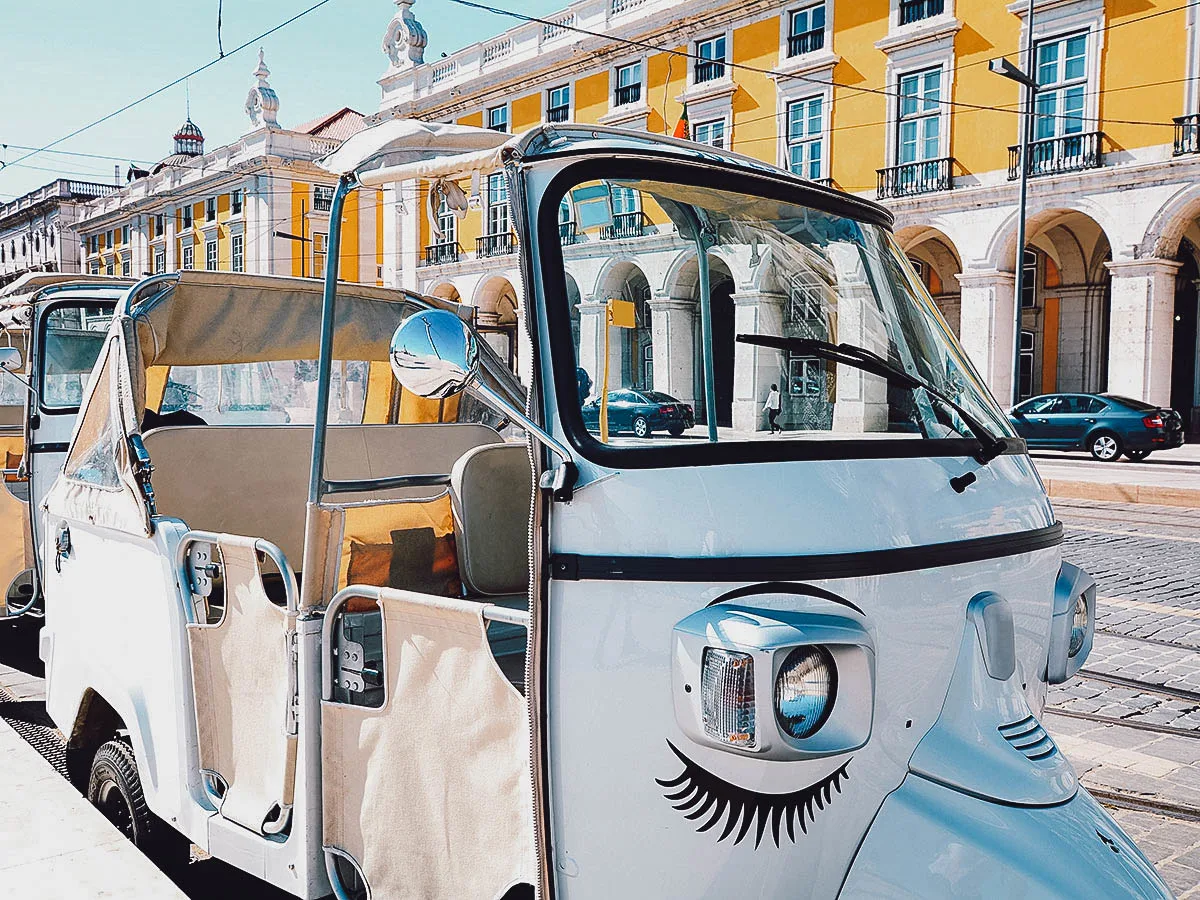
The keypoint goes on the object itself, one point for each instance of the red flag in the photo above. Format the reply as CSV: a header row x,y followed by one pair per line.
x,y
683,130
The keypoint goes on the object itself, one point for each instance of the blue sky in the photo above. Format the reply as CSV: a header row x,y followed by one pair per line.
x,y
67,63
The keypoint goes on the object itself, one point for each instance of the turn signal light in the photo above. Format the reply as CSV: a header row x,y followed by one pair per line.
x,y
727,696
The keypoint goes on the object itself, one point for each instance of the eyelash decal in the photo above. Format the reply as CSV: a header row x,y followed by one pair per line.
x,y
702,792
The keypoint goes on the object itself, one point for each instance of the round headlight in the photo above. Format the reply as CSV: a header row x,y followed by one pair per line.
x,y
805,689
1078,626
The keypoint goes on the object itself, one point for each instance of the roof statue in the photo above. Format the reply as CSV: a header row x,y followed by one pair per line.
x,y
404,32
262,103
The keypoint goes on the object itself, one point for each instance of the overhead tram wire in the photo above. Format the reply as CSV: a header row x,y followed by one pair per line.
x,y
808,79
171,84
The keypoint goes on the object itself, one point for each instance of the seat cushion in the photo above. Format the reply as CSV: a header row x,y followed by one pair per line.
x,y
490,489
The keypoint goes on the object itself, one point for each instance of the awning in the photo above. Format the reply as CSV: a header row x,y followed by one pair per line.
x,y
408,142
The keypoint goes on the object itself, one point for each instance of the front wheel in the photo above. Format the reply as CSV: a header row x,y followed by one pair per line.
x,y
641,427
1136,455
1104,446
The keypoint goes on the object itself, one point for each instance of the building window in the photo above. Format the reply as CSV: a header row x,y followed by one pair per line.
x,y
210,255
916,10
189,256
108,269
497,118
94,268
1025,384
210,209
806,377
1062,85
187,216
318,253
125,235
124,266
50,238
322,198
238,252
806,31
235,203
160,261
93,244
804,119
628,84
497,205
447,223
558,104
711,133
160,225
1029,279
710,63
919,126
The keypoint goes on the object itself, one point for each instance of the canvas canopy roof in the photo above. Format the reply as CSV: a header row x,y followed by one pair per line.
x,y
201,318
15,298
425,147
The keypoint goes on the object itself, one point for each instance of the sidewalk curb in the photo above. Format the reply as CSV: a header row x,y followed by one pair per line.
x,y
1122,493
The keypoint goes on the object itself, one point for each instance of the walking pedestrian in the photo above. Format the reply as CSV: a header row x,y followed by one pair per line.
x,y
772,407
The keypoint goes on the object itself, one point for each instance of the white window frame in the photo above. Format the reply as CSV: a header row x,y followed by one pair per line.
x,y
694,59
933,22
1060,87
786,29
912,58
237,248
212,255
322,238
940,114
241,194
821,137
503,204
1191,93
487,117
159,263
720,122
613,84
210,203
447,222
187,254
791,90
546,107
323,191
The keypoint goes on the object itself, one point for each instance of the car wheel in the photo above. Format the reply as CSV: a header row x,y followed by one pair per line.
x,y
641,427
115,789
1137,455
675,428
1104,446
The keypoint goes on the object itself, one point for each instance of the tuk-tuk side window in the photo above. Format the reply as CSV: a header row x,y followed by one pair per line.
x,y
93,456
782,287
72,337
266,393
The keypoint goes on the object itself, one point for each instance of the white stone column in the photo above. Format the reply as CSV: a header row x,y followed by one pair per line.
x,y
861,399
171,242
673,336
755,369
592,322
1140,328
986,328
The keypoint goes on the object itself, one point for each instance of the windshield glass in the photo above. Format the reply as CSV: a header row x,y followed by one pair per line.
x,y
72,339
642,301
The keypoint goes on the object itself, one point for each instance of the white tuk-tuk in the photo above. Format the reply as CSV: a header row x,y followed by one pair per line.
x,y
792,590
52,326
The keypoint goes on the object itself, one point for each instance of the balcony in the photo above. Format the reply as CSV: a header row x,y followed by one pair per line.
x,y
442,254
495,245
559,113
630,93
910,179
568,233
809,41
1187,134
1053,156
709,70
916,10
625,225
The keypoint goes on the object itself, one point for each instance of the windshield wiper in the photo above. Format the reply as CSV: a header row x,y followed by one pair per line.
x,y
990,446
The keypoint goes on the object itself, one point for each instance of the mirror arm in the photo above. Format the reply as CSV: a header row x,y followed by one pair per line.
x,y
560,479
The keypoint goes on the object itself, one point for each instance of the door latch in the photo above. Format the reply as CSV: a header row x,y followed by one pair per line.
x,y
62,546
202,568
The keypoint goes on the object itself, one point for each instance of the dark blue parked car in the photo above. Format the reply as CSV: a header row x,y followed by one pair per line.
x,y
1103,424
641,412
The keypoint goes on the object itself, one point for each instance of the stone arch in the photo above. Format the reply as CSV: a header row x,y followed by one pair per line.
x,y
939,264
1175,219
497,307
446,290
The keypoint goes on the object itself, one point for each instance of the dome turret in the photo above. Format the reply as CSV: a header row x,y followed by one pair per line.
x,y
189,140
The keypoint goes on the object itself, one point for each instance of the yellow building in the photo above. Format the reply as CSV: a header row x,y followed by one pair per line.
x,y
259,204
892,99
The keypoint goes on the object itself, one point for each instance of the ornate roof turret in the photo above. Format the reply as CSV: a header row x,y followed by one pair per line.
x,y
189,140
262,103
403,33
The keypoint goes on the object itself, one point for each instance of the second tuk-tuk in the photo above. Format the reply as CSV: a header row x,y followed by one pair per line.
x,y
380,650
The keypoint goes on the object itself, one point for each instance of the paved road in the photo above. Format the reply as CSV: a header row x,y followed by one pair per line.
x,y
1130,723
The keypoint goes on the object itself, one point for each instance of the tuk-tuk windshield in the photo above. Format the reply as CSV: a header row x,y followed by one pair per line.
x,y
637,293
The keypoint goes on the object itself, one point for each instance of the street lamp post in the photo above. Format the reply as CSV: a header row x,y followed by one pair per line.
x,y
1007,70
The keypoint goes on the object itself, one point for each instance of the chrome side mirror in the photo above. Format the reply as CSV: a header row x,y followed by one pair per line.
x,y
435,354
10,359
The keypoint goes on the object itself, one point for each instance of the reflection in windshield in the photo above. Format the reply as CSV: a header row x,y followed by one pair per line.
x,y
640,293
74,337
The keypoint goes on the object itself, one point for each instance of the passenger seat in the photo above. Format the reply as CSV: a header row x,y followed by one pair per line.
x,y
490,491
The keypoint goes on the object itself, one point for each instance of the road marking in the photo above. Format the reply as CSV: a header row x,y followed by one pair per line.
x,y
1145,606
1141,534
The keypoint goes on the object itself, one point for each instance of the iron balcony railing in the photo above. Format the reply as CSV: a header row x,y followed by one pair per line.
x,y
1187,134
916,10
558,113
567,233
908,179
495,244
625,225
806,42
629,93
441,254
709,70
1070,153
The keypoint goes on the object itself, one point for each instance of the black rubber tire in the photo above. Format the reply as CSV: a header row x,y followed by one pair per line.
x,y
1105,446
115,789
675,429
641,427
1137,455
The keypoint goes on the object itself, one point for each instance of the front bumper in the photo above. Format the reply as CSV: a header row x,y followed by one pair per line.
x,y
932,841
